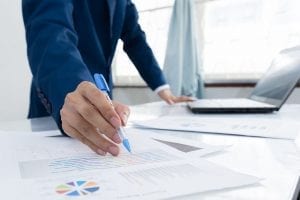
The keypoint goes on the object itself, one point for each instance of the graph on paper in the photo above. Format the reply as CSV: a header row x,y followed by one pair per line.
x,y
87,162
77,188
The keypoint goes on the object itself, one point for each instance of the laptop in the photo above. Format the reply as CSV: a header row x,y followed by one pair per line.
x,y
269,94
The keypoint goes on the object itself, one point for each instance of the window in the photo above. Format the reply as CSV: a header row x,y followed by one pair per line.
x,y
239,38
154,20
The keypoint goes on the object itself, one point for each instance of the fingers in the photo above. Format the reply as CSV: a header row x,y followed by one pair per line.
x,y
170,101
183,99
77,127
72,132
88,116
167,96
123,112
100,101
77,104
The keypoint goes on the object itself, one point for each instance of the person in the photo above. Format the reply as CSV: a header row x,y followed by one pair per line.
x,y
70,40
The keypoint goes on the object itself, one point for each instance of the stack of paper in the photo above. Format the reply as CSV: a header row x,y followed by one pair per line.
x,y
36,167
270,128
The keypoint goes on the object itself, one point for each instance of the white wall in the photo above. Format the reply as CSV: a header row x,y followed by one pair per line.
x,y
14,71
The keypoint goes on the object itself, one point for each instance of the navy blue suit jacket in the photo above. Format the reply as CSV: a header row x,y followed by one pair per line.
x,y
70,40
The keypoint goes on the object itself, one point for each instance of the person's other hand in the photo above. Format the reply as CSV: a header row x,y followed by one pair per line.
x,y
88,116
168,97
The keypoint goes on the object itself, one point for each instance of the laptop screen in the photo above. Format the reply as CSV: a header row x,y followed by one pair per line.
x,y
280,79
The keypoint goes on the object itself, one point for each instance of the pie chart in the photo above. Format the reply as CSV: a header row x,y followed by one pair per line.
x,y
77,188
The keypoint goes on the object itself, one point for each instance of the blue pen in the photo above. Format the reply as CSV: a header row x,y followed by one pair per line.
x,y
102,85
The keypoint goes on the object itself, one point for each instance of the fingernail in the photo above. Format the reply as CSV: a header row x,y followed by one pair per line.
x,y
116,138
115,122
101,152
113,150
125,118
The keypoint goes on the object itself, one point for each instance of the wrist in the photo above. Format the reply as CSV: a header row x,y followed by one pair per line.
x,y
161,88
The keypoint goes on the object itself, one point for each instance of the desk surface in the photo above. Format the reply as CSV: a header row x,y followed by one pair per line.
x,y
276,161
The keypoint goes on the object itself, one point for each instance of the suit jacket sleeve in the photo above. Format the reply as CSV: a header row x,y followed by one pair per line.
x,y
138,50
54,59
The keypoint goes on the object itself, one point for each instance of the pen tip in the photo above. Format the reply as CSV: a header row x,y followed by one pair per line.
x,y
127,145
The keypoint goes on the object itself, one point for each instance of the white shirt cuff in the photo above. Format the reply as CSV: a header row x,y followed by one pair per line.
x,y
162,87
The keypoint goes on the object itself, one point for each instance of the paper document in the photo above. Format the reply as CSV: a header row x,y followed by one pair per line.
x,y
153,110
36,167
270,128
188,146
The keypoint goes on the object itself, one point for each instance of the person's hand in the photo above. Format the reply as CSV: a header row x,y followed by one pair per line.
x,y
88,116
168,97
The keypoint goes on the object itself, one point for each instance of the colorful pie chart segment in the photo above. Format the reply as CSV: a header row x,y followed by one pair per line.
x,y
77,188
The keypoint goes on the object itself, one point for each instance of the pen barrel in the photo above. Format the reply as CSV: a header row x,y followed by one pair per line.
x,y
124,139
121,133
102,85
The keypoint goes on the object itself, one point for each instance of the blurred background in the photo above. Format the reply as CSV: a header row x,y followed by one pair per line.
x,y
238,39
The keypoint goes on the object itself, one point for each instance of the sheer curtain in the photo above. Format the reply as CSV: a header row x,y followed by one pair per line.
x,y
183,63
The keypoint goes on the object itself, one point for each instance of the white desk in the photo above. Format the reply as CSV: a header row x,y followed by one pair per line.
x,y
276,161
